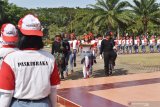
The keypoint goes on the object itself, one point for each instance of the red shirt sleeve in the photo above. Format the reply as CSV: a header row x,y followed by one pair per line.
x,y
55,80
7,77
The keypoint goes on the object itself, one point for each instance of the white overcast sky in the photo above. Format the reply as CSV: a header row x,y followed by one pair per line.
x,y
54,3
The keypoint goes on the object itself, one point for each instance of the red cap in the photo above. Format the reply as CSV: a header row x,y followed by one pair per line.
x,y
9,33
30,26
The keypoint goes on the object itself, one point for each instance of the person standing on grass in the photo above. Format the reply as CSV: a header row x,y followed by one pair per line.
x,y
30,74
152,43
10,37
123,44
144,44
136,45
158,44
130,44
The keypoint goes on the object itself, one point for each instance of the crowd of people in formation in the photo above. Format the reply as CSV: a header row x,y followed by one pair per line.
x,y
29,75
138,44
65,48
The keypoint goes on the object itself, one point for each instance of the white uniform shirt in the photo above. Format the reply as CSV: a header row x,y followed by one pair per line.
x,y
143,42
135,42
123,42
4,51
119,42
99,42
158,41
73,44
131,41
127,42
29,74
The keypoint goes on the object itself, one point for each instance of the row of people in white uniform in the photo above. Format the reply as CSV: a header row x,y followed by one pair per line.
x,y
127,44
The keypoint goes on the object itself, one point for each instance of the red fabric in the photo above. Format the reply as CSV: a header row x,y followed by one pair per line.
x,y
8,46
7,78
55,80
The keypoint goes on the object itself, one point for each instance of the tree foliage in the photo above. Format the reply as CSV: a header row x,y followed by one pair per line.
x,y
141,17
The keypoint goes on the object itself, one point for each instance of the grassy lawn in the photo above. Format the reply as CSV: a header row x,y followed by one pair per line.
x,y
152,59
125,65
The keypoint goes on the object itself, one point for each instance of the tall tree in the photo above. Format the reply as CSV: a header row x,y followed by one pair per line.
x,y
147,11
111,13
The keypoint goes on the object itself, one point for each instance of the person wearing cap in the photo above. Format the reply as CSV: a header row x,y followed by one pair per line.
x,y
30,74
87,56
107,45
10,37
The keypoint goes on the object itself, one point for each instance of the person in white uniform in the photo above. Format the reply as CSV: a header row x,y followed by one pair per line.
x,y
73,47
10,37
87,56
158,44
30,74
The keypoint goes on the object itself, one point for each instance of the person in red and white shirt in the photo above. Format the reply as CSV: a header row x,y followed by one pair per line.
x,y
144,44
30,74
123,44
74,48
136,44
127,44
10,37
94,46
86,55
130,44
152,43
99,42
158,44
120,45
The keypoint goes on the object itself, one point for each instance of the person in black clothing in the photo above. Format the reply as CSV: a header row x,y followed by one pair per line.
x,y
106,48
66,51
59,50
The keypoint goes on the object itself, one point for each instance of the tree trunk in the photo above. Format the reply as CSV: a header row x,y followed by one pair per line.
x,y
145,24
118,32
145,28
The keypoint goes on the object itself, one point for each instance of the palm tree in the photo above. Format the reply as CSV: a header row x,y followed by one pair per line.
x,y
147,11
111,13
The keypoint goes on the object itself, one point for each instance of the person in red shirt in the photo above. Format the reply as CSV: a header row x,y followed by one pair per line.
x,y
30,74
10,37
158,44
152,43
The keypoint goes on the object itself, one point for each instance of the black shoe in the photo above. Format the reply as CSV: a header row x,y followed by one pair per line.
x,y
82,61
74,64
106,73
62,77
110,73
95,61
